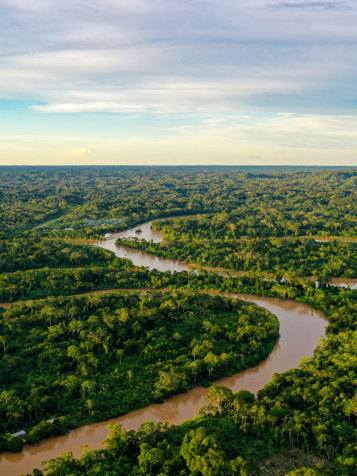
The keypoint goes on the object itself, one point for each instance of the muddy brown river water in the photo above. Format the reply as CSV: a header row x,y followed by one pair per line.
x,y
301,327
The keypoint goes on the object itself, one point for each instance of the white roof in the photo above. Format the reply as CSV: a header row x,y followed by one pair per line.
x,y
19,433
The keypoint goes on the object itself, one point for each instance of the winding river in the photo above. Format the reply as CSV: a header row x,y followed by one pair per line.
x,y
300,330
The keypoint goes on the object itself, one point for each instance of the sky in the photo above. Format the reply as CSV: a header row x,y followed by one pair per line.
x,y
233,82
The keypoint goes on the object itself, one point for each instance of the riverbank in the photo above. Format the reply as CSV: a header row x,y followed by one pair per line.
x,y
300,330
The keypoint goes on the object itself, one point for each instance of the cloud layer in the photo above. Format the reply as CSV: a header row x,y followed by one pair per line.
x,y
181,59
137,55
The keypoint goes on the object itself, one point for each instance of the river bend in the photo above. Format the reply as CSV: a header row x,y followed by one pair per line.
x,y
301,327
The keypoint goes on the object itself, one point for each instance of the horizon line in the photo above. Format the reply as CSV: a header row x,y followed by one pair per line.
x,y
179,165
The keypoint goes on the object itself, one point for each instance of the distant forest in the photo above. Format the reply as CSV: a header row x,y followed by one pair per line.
x,y
94,199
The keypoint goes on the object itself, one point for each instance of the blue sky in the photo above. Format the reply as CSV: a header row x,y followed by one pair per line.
x,y
178,82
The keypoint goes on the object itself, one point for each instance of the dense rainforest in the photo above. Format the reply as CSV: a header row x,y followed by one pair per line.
x,y
93,199
96,357
311,409
291,256
30,253
86,358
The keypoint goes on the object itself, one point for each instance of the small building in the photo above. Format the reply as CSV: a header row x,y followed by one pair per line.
x,y
52,420
21,433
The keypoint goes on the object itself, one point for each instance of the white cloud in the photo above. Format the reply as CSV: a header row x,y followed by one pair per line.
x,y
161,97
285,130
